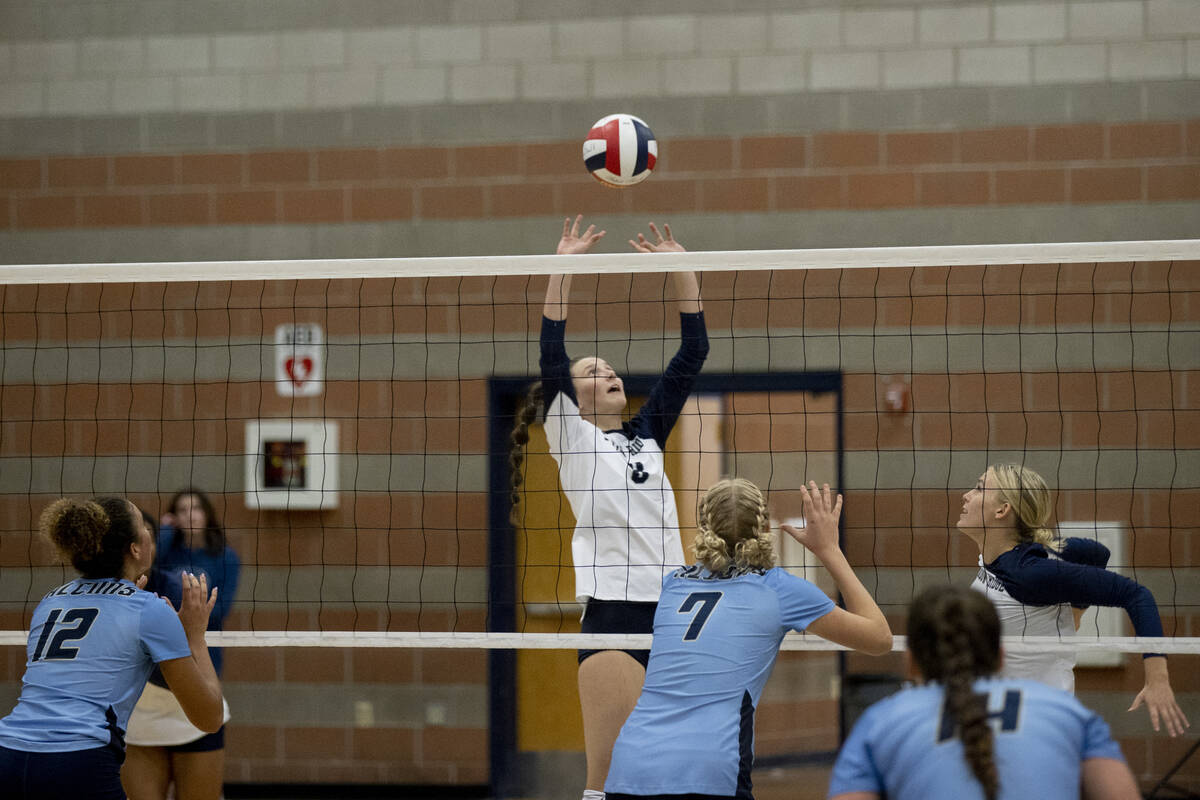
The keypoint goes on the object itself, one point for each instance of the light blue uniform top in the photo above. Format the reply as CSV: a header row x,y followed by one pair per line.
x,y
715,641
92,645
905,747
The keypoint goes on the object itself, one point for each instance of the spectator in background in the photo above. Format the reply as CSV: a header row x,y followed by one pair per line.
x,y
163,747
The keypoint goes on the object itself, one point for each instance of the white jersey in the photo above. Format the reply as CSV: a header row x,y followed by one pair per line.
x,y
627,529
1017,619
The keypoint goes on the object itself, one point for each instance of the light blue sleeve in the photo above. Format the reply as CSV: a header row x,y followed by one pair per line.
x,y
800,602
1097,739
161,631
855,769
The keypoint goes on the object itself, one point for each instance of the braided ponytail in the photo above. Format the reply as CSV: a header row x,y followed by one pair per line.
x,y
527,414
954,636
733,527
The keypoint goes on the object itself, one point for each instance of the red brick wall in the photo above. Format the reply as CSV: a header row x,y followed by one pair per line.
x,y
1058,164
902,529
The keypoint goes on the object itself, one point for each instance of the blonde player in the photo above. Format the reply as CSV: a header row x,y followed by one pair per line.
x,y
1034,580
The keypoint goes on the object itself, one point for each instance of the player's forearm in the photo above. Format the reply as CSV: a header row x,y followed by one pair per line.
x,y
687,288
1155,668
557,292
855,597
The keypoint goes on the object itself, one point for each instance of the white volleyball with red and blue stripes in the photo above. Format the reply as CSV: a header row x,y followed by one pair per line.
x,y
620,150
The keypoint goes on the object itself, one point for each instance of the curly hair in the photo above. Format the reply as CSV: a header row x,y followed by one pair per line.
x,y
1027,493
954,636
94,535
733,527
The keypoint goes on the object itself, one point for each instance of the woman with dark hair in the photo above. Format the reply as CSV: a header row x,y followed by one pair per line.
x,y
92,645
717,633
613,473
164,747
967,733
1038,582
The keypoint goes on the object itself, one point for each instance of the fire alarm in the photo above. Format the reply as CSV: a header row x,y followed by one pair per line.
x,y
896,396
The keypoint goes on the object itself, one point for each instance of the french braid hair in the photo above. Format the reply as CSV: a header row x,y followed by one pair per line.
x,y
733,527
1027,493
527,414
954,636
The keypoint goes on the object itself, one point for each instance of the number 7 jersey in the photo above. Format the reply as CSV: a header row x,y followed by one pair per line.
x,y
715,642
92,645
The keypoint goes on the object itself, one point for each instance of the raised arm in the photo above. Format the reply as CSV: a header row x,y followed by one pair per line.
x,y
192,678
687,287
860,625
558,290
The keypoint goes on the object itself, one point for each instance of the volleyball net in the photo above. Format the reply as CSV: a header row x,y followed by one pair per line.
x,y
350,420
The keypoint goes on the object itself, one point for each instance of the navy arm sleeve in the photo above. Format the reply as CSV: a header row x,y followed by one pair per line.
x,y
1085,551
1034,579
657,417
555,365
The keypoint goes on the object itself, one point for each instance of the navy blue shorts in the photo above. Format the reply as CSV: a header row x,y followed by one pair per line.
x,y
618,616
206,743
92,774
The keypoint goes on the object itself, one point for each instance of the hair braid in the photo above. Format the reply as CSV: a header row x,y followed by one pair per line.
x,y
954,636
733,527
526,414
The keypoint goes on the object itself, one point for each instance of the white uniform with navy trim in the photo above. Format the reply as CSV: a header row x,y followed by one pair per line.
x,y
1018,619
626,533
1034,588
906,748
715,641
626,527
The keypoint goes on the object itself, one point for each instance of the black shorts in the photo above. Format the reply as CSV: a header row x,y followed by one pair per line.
x,y
94,773
618,616
206,743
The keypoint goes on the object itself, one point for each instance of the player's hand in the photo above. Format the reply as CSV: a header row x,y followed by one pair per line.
x,y
197,603
661,243
572,243
821,513
142,581
168,520
1159,700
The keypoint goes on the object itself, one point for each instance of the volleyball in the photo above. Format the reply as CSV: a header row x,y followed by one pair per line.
x,y
620,150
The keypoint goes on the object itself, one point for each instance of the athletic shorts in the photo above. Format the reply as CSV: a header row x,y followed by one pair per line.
x,y
94,774
618,616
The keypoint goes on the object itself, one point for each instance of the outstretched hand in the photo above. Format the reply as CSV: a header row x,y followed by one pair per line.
x,y
821,513
1159,700
572,243
661,243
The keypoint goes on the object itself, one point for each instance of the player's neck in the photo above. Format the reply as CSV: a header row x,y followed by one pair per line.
x,y
996,544
605,422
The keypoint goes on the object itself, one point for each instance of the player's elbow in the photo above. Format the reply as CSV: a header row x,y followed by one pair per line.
x,y
209,714
881,641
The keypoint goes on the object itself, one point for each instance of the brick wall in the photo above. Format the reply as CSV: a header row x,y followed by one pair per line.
x,y
1151,162
1110,392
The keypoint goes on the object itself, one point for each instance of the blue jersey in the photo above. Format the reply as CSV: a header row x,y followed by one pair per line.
x,y
715,641
907,748
92,644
